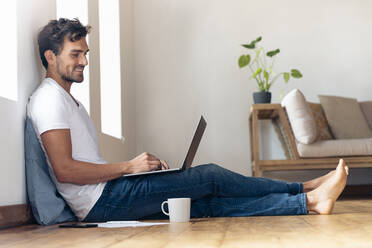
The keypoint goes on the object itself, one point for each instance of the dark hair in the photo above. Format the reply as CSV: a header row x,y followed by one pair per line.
x,y
51,37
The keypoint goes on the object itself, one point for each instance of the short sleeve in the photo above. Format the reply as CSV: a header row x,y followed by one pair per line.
x,y
49,110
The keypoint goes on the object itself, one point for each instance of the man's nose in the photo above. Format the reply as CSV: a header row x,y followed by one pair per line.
x,y
84,60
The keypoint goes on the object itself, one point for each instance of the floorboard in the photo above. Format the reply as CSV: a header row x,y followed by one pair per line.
x,y
349,226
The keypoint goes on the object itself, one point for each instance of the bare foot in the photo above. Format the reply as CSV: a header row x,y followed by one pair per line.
x,y
322,199
316,182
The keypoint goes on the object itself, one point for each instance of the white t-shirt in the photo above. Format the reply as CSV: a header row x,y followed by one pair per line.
x,y
51,107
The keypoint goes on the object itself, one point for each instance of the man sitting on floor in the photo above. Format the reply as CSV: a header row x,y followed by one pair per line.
x,y
96,191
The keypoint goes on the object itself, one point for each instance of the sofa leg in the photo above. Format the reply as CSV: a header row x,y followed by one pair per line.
x,y
256,171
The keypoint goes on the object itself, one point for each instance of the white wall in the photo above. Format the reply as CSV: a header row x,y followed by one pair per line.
x,y
113,149
12,180
186,55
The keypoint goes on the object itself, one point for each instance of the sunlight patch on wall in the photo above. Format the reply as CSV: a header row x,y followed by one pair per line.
x,y
77,9
109,36
8,44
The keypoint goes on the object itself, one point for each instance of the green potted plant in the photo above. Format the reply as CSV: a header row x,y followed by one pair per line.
x,y
261,67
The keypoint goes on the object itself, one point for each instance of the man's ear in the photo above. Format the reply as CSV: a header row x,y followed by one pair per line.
x,y
50,57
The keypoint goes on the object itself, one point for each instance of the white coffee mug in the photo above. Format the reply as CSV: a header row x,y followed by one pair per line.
x,y
179,209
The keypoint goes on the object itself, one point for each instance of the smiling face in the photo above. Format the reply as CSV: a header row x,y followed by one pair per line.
x,y
70,62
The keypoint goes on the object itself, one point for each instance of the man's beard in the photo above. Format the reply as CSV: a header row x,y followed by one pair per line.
x,y
72,80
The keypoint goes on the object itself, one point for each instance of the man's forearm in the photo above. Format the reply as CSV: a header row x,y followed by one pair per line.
x,y
78,172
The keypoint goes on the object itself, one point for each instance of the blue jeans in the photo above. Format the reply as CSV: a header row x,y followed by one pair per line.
x,y
214,192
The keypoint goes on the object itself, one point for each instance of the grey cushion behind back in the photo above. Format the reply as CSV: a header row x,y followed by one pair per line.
x,y
48,207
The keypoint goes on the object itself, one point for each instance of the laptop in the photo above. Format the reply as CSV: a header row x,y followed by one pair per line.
x,y
189,156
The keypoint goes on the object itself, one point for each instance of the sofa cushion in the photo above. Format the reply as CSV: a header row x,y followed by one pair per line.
x,y
367,111
300,117
336,148
48,207
345,117
323,131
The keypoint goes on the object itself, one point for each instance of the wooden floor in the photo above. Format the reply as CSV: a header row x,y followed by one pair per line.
x,y
349,226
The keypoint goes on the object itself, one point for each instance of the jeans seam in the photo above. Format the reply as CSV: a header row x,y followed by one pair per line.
x,y
303,203
142,194
192,187
241,208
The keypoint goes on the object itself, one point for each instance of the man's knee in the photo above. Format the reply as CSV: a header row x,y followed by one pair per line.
x,y
211,169
214,166
210,166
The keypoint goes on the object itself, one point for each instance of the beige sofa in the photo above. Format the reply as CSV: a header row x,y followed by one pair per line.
x,y
315,135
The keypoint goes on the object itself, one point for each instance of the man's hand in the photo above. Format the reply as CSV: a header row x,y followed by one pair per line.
x,y
147,162
164,165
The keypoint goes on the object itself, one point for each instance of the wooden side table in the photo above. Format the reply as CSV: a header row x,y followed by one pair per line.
x,y
262,112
